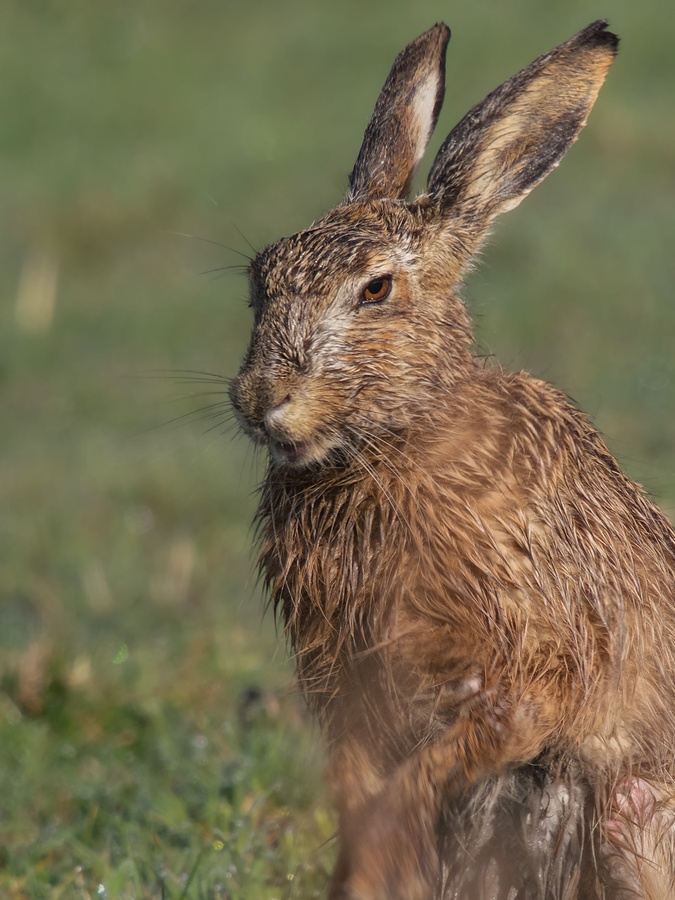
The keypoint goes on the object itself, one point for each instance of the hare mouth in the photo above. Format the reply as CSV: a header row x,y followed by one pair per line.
x,y
294,454
301,454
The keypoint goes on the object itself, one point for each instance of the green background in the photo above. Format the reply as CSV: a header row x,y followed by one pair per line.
x,y
151,744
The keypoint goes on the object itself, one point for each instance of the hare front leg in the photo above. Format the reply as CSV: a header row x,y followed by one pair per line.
x,y
389,847
356,780
387,840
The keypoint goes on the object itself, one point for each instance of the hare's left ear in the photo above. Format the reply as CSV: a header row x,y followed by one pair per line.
x,y
511,140
403,121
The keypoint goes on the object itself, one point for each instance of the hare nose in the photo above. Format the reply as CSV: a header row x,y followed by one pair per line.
x,y
274,417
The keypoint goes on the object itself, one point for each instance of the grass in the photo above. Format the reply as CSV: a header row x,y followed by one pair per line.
x,y
151,743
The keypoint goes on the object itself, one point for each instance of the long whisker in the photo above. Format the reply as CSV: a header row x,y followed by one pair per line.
x,y
211,411
244,238
370,470
185,375
197,394
223,423
376,443
233,224
196,237
237,269
395,449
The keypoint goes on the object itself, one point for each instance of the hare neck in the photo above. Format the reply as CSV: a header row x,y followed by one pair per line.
x,y
326,539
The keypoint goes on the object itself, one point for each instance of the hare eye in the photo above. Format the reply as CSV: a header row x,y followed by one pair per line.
x,y
377,291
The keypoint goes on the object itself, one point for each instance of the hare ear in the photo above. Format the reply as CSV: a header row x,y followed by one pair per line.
x,y
403,121
511,140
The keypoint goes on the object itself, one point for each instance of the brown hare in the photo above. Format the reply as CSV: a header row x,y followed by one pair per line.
x,y
481,605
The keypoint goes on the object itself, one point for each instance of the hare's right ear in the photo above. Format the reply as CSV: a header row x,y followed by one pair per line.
x,y
511,140
403,120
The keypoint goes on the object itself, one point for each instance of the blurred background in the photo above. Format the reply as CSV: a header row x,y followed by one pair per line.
x,y
151,743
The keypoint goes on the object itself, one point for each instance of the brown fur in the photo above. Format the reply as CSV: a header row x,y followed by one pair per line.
x,y
481,605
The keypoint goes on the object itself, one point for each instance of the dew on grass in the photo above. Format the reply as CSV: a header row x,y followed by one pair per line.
x,y
139,519
200,745
121,656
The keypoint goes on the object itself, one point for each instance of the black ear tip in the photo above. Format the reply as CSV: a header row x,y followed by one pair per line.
x,y
597,35
439,35
444,33
443,30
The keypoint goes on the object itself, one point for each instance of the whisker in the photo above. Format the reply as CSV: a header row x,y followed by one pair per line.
x,y
196,237
196,415
184,376
237,269
370,470
244,238
223,426
233,224
371,440
185,397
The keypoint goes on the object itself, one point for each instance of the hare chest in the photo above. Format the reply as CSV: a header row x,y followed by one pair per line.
x,y
410,609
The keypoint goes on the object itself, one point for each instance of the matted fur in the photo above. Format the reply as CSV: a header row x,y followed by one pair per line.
x,y
481,605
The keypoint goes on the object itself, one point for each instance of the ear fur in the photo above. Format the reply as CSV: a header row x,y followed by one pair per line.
x,y
510,141
403,120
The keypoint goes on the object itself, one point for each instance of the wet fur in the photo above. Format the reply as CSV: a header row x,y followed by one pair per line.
x,y
480,604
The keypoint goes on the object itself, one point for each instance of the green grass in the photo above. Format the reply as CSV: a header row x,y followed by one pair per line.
x,y
151,744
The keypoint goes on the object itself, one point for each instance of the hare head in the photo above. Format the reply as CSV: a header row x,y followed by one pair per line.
x,y
358,329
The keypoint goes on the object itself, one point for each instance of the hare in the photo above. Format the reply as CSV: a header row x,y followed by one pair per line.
x,y
481,605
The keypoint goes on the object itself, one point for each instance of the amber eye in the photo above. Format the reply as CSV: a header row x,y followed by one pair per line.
x,y
377,291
